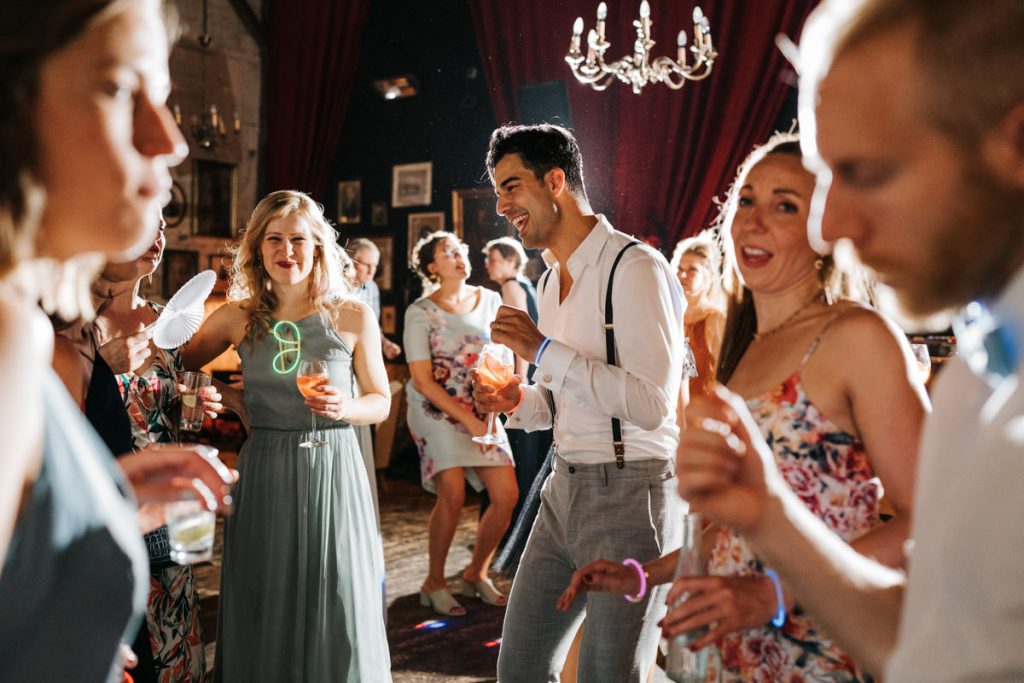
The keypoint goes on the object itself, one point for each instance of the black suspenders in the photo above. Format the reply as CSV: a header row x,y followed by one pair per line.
x,y
609,343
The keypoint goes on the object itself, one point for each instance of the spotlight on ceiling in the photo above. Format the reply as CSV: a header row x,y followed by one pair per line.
x,y
397,87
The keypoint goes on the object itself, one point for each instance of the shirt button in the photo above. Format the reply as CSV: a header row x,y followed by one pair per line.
x,y
548,378
572,470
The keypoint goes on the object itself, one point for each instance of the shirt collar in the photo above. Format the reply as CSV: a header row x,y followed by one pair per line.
x,y
990,336
588,253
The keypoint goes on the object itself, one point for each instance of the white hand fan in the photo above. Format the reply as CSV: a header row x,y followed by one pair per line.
x,y
183,314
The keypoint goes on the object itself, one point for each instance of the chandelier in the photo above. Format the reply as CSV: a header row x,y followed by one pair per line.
x,y
206,126
637,69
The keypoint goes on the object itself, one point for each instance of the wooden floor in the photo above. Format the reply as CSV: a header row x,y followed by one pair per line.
x,y
456,650
425,647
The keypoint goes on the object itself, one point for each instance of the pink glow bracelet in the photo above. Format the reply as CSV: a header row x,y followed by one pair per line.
x,y
630,562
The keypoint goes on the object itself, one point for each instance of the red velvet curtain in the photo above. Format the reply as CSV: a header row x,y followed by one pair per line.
x,y
313,51
653,161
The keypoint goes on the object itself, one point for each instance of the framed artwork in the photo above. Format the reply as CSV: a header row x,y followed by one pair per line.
x,y
388,319
422,224
379,214
221,264
474,220
213,189
350,204
411,184
385,270
176,209
179,267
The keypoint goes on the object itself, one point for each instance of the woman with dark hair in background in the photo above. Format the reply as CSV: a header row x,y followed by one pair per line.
x,y
445,330
149,391
85,143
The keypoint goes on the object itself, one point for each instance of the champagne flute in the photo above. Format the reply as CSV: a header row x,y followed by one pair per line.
x,y
309,376
924,361
495,370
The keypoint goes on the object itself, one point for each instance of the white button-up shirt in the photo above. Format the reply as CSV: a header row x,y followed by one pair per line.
x,y
642,389
963,612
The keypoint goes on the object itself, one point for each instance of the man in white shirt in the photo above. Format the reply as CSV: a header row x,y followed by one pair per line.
x,y
602,499
913,112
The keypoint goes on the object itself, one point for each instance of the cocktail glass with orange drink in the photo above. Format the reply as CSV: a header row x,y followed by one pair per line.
x,y
495,370
310,376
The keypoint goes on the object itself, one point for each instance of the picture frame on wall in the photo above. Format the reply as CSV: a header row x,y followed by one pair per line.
x,y
379,214
215,195
411,184
180,266
422,224
350,205
388,319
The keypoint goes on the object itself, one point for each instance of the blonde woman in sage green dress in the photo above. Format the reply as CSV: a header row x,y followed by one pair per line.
x,y
303,569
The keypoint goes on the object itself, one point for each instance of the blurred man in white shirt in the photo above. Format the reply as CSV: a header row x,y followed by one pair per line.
x,y
912,115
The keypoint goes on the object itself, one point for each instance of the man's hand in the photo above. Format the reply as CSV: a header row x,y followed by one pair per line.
x,y
514,328
487,400
126,354
725,469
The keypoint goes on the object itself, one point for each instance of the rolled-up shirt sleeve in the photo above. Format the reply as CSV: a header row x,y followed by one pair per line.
x,y
644,385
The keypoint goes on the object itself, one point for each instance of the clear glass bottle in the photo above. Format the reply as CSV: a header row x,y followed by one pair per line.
x,y
682,664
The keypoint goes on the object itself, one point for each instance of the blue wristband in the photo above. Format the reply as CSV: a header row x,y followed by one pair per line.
x,y
780,606
540,351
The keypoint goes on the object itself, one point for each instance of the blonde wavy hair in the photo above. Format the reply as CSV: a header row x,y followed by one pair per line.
x,y
704,245
330,281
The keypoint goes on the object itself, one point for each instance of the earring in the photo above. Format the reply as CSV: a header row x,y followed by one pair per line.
x,y
819,263
433,278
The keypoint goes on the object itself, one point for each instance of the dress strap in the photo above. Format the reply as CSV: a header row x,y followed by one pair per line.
x,y
817,340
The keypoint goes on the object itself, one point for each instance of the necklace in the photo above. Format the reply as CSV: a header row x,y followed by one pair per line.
x,y
791,318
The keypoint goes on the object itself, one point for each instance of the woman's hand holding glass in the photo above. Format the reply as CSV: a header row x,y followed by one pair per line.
x,y
174,472
723,604
327,403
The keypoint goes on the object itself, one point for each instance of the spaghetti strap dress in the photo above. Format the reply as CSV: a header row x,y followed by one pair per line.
x,y
831,473
303,567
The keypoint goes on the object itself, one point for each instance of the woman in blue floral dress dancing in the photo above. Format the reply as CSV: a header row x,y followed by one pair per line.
x,y
445,331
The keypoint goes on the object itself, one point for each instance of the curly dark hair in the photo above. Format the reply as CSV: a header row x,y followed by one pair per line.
x,y
541,148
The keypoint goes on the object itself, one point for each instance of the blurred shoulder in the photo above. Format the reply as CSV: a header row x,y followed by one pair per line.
x,y
352,312
25,334
860,330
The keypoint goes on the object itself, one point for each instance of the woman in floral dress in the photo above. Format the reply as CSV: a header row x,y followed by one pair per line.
x,y
831,385
445,331
150,395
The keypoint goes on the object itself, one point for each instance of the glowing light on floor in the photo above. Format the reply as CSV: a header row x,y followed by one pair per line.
x,y
430,624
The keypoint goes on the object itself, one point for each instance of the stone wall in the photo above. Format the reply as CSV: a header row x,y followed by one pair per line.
x,y
228,73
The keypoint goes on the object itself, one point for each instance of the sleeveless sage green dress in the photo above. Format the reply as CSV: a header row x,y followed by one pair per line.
x,y
303,568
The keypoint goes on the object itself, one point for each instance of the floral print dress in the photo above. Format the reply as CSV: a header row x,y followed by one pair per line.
x,y
452,343
172,609
831,473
